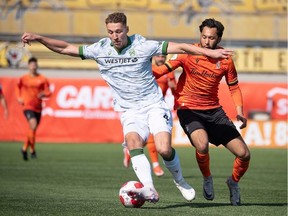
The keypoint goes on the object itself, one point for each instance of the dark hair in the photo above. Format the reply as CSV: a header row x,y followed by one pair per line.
x,y
212,23
32,59
116,17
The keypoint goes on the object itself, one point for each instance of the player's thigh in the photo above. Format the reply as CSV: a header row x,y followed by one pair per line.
x,y
135,126
160,124
160,118
239,148
134,141
200,141
163,143
194,126
33,118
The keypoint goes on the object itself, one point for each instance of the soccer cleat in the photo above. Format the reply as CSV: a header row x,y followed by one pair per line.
x,y
208,189
126,160
147,193
234,189
24,154
33,155
186,190
158,171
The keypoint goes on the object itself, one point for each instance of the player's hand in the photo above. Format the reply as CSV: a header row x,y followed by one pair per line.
x,y
221,53
27,37
243,120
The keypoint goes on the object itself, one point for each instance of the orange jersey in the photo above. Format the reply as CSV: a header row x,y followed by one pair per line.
x,y
29,89
197,86
164,80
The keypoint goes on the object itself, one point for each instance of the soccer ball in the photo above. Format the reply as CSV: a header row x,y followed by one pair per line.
x,y
127,200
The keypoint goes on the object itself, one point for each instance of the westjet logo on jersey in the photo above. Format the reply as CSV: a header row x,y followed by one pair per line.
x,y
120,60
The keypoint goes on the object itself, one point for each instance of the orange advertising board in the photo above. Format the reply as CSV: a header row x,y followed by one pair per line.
x,y
82,111
77,111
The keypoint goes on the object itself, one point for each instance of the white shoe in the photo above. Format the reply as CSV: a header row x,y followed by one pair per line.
x,y
147,193
186,190
208,189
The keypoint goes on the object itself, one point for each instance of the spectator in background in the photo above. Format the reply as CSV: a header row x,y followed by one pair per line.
x,y
165,82
31,89
200,114
4,103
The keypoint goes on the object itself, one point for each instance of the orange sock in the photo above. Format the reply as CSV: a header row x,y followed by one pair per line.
x,y
203,163
152,150
25,145
31,139
239,169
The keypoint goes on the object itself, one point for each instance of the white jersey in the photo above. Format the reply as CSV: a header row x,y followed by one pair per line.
x,y
128,73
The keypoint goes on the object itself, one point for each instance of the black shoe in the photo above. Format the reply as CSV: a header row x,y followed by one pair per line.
x,y
33,155
208,189
234,190
25,155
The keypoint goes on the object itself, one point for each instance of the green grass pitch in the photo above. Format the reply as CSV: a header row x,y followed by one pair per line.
x,y
84,179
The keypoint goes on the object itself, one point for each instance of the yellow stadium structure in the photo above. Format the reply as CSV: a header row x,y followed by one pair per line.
x,y
252,27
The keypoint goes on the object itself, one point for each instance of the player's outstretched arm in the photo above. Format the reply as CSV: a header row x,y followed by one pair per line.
x,y
191,49
57,46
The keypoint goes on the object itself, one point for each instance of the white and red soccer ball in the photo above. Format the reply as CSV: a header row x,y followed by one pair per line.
x,y
127,198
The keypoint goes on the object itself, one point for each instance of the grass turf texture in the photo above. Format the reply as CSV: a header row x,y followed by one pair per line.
x,y
84,179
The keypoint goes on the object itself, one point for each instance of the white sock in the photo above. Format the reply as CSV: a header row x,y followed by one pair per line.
x,y
142,169
175,168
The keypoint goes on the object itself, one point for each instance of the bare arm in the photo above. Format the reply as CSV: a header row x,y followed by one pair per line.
x,y
238,101
57,46
175,48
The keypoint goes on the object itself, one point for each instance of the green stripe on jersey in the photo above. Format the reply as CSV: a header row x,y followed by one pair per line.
x,y
164,48
80,49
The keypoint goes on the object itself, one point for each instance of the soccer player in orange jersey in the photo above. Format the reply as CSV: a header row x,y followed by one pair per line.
x,y
31,89
165,82
200,114
3,103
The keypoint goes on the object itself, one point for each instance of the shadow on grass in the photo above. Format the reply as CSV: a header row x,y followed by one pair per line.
x,y
206,205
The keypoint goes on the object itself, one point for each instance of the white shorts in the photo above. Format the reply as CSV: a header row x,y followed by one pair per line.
x,y
151,119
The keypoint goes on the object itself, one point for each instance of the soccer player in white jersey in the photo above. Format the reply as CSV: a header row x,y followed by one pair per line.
x,y
125,64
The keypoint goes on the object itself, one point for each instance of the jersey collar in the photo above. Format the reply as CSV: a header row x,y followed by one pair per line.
x,y
119,51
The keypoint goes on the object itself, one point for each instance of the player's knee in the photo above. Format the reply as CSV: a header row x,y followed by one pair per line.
x,y
244,155
247,155
165,152
202,148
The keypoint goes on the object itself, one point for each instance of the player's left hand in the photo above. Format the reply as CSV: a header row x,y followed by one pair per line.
x,y
221,53
243,120
27,38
